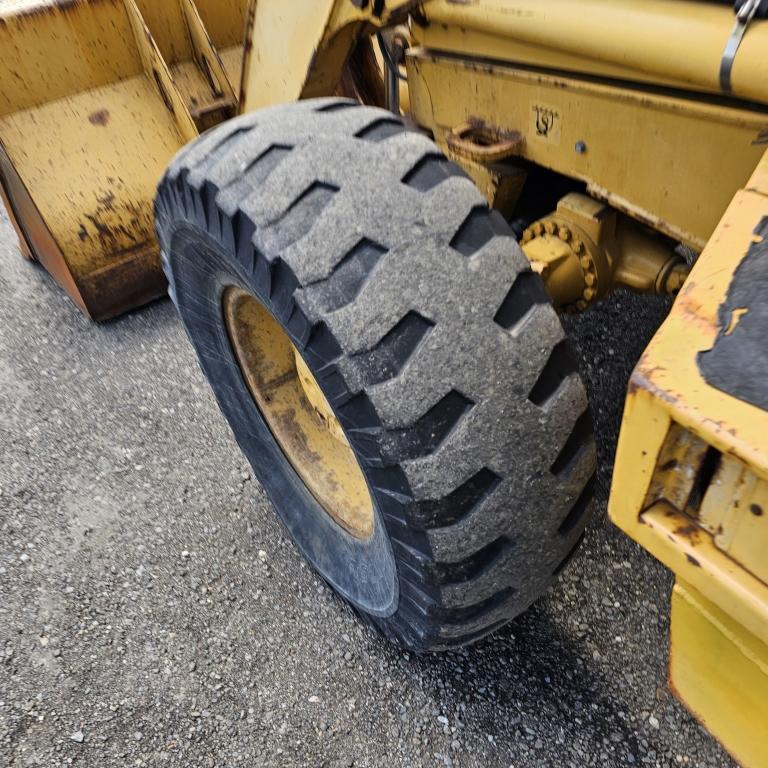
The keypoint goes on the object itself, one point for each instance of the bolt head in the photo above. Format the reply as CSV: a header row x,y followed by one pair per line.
x,y
581,147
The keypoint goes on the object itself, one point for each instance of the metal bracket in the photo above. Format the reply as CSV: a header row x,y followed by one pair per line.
x,y
744,16
483,143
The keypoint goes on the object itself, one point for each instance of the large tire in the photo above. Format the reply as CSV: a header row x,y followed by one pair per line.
x,y
434,343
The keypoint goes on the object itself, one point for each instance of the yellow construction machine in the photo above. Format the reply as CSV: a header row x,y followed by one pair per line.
x,y
374,213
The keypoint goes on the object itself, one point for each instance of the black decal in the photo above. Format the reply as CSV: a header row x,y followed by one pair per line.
x,y
737,364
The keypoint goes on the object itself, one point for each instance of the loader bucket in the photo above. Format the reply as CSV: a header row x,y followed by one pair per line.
x,y
96,96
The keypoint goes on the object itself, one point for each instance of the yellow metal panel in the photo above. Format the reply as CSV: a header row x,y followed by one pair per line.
x,y
187,50
735,512
720,671
224,20
284,38
95,98
669,367
670,42
668,386
689,551
159,73
35,239
79,51
169,29
232,60
207,56
719,629
298,49
192,86
759,181
84,55
668,533
645,153
95,200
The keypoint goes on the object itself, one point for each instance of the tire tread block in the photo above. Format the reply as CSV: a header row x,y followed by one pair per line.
x,y
479,287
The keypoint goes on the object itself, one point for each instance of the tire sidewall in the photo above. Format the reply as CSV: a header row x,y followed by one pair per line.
x,y
361,570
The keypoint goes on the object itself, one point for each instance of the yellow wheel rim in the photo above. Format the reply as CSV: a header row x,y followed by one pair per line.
x,y
297,413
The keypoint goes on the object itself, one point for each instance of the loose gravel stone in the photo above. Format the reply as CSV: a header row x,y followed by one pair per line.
x,y
114,460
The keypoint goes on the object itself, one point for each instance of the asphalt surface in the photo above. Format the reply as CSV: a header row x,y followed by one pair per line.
x,y
154,612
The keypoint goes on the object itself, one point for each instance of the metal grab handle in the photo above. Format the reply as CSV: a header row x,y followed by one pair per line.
x,y
483,143
744,16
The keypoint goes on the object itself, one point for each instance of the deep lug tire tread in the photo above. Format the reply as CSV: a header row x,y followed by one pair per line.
x,y
434,342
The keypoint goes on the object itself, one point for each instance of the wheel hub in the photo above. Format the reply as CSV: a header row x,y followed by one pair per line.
x,y
297,412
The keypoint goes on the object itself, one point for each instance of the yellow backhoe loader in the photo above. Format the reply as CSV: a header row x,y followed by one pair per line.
x,y
373,214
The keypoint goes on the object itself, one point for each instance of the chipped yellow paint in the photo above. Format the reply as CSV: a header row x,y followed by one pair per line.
x,y
736,316
712,544
96,97
735,513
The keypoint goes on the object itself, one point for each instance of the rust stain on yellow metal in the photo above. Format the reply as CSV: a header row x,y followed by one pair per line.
x,y
688,550
501,183
35,239
298,414
90,196
713,538
666,148
317,400
480,142
484,152
95,98
735,513
680,459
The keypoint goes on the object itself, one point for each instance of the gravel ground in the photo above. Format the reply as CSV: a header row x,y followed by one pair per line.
x,y
154,612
